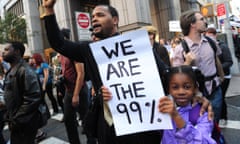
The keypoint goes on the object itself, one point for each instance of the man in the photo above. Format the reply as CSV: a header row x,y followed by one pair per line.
x,y
160,49
201,54
105,24
75,90
226,60
22,93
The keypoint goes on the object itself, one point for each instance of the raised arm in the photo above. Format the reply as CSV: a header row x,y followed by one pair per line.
x,y
73,50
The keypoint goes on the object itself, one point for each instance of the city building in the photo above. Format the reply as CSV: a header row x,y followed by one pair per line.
x,y
133,14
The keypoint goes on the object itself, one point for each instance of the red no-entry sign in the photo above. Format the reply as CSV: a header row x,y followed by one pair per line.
x,y
221,10
83,20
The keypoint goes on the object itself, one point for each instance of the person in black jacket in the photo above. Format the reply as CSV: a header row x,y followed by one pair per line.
x,y
105,24
160,49
226,60
22,94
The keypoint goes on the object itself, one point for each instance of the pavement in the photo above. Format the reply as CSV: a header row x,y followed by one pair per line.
x,y
232,129
56,133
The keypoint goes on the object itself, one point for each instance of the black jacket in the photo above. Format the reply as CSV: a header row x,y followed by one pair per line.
x,y
225,58
162,52
22,93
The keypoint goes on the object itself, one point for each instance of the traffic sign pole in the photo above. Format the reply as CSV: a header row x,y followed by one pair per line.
x,y
228,31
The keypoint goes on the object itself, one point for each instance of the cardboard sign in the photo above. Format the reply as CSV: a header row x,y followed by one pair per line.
x,y
127,67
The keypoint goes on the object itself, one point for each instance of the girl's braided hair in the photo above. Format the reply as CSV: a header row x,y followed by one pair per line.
x,y
193,72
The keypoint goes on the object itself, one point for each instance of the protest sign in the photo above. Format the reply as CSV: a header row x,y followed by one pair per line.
x,y
127,67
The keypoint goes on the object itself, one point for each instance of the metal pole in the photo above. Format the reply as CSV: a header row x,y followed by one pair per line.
x,y
228,31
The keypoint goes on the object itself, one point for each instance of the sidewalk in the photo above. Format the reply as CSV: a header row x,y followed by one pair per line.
x,y
234,86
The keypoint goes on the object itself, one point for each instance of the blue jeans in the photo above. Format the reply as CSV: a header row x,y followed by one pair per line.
x,y
216,101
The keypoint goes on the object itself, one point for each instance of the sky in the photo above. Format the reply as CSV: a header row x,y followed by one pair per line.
x,y
235,4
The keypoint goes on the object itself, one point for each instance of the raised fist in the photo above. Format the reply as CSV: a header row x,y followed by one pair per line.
x,y
48,3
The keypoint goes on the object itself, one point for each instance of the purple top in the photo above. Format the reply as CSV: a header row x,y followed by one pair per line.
x,y
205,59
190,134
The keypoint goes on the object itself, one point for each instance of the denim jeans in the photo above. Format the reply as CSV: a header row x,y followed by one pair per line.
x,y
216,101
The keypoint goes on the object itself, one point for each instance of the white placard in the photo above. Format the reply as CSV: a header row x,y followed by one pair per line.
x,y
174,26
127,66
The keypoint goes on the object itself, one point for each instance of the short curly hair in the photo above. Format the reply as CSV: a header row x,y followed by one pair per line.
x,y
18,46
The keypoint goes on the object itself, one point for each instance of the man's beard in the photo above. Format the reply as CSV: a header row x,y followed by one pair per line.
x,y
101,35
9,59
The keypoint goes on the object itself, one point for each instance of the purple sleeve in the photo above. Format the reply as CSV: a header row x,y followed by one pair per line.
x,y
200,133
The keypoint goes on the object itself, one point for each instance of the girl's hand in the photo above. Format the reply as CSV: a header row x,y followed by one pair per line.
x,y
107,95
166,105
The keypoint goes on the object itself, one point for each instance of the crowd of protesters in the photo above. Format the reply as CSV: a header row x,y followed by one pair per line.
x,y
74,65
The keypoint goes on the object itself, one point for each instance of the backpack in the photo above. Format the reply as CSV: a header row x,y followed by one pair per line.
x,y
216,133
219,67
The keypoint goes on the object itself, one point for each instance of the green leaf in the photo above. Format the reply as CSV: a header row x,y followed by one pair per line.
x,y
13,28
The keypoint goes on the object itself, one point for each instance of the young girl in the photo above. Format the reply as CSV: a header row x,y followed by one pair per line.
x,y
183,84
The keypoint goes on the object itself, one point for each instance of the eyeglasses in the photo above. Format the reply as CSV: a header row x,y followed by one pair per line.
x,y
202,19
150,33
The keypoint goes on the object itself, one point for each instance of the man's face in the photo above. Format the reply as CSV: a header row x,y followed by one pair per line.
x,y
151,35
8,53
102,22
31,61
201,23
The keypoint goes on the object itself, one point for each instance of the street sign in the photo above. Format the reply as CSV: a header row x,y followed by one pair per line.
x,y
221,11
83,23
83,20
